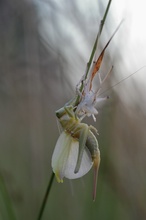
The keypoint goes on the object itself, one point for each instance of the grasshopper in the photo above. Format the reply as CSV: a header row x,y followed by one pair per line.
x,y
77,149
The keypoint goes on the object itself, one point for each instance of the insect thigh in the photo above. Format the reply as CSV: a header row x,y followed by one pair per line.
x,y
92,144
82,133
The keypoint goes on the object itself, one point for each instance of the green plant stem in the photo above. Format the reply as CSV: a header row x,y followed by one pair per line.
x,y
105,14
94,47
46,197
97,38
6,199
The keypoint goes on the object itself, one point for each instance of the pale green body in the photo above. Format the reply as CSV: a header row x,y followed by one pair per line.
x,y
80,131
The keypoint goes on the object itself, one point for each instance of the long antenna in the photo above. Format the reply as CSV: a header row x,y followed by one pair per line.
x,y
122,80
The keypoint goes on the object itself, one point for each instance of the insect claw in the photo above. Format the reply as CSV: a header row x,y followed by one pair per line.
x,y
94,118
93,129
76,171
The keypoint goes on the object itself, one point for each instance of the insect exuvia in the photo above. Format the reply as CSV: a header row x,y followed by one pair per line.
x,y
77,149
88,98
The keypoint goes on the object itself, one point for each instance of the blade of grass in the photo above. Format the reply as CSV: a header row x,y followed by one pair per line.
x,y
6,199
46,197
97,38
94,46
100,58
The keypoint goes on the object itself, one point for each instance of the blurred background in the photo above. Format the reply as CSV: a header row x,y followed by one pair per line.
x,y
44,48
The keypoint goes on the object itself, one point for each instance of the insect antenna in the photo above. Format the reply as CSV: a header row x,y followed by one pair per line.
x,y
122,80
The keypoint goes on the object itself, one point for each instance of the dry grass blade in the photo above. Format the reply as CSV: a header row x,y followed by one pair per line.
x,y
100,58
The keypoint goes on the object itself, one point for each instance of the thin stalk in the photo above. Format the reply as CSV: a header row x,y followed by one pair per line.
x,y
105,15
6,199
94,47
46,197
97,38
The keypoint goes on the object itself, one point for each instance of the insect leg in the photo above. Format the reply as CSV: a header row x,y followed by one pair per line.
x,y
82,140
92,146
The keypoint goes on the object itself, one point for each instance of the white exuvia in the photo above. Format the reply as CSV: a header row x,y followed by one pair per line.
x,y
89,99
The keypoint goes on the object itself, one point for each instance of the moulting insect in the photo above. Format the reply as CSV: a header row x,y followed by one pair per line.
x,y
77,150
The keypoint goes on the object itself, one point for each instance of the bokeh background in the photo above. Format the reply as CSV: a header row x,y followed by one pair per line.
x,y
44,48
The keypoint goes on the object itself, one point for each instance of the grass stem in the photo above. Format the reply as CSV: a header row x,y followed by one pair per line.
x,y
94,47
46,197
